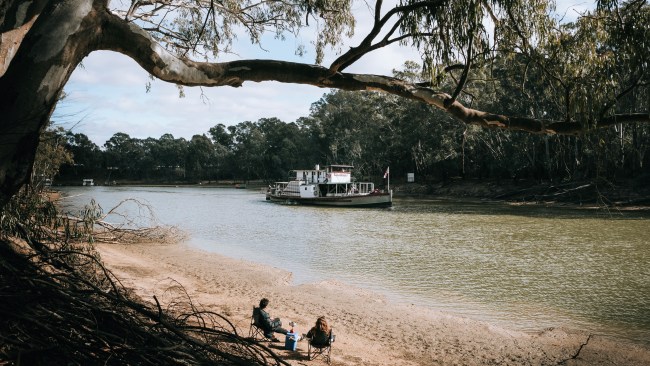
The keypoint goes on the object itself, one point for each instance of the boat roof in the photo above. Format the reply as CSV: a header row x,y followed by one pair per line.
x,y
324,167
340,166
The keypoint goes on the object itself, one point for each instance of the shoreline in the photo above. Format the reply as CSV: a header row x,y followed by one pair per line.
x,y
370,329
467,191
452,303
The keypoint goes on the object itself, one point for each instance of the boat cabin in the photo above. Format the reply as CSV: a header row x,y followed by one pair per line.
x,y
331,174
332,181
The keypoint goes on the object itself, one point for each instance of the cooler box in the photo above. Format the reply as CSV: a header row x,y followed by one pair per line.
x,y
291,341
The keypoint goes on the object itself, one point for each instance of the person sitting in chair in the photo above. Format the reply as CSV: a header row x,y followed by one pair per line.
x,y
267,324
319,334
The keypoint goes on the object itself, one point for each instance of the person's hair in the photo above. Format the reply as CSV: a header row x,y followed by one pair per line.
x,y
321,324
263,303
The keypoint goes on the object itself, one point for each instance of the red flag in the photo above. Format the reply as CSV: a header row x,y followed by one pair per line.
x,y
387,172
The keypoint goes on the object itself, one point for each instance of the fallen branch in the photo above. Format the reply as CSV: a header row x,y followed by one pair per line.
x,y
57,309
577,354
59,305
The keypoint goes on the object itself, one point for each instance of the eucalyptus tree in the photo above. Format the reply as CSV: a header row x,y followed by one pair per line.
x,y
222,138
199,161
314,138
51,156
352,128
285,145
147,165
124,156
268,149
86,154
169,155
221,135
43,41
249,145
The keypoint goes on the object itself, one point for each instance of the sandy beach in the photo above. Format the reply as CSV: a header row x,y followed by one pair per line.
x,y
369,329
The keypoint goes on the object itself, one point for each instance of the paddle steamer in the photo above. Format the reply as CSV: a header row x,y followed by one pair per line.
x,y
330,186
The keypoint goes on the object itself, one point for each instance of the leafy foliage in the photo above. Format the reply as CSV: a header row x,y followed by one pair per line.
x,y
208,28
371,131
50,156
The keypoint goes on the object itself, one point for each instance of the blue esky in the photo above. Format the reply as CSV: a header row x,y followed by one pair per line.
x,y
107,94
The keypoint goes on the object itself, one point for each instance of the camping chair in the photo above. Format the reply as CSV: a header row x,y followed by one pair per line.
x,y
321,349
255,331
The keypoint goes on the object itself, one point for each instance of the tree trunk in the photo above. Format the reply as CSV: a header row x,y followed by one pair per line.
x,y
54,42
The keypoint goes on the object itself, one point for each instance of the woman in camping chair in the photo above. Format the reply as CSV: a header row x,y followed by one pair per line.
x,y
319,334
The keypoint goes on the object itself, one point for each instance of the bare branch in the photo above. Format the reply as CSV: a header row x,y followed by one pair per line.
x,y
366,45
463,78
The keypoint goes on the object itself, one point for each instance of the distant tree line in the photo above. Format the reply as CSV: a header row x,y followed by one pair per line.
x,y
370,131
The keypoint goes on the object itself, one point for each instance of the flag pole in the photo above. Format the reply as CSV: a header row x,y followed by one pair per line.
x,y
388,176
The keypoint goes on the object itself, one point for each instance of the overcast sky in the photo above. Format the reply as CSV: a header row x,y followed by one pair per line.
x,y
107,94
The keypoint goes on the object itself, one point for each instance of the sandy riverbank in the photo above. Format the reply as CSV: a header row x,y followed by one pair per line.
x,y
370,330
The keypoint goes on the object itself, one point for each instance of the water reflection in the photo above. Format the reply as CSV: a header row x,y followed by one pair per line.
x,y
525,267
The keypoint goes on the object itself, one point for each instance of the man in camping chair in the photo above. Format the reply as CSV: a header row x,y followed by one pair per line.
x,y
263,320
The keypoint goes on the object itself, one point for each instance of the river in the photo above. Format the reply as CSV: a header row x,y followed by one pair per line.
x,y
522,267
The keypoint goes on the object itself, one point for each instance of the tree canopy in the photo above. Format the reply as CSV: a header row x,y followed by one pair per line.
x,y
371,131
569,78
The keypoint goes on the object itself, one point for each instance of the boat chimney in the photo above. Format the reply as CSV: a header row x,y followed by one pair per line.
x,y
317,166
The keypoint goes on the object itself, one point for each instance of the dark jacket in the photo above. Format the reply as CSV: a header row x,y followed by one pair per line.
x,y
318,337
263,320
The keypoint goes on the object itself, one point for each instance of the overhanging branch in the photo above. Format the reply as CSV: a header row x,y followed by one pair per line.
x,y
132,41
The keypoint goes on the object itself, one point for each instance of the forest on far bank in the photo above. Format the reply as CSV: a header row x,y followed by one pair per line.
x,y
369,130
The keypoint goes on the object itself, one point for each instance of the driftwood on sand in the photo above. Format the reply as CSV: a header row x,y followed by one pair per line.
x,y
59,304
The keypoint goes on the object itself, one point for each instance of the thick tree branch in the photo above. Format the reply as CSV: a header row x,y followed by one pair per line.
x,y
463,77
633,85
134,42
383,43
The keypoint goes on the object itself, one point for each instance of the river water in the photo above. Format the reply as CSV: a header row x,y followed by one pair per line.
x,y
521,267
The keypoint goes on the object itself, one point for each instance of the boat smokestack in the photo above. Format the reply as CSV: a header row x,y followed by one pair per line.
x,y
317,166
